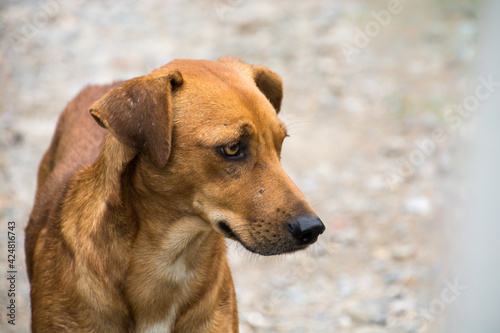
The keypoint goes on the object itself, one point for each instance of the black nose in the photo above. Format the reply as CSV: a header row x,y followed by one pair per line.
x,y
306,229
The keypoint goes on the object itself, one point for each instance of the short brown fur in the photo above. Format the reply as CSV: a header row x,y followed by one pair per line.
x,y
127,231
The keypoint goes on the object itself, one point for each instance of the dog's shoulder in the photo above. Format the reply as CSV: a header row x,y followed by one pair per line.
x,y
77,137
77,141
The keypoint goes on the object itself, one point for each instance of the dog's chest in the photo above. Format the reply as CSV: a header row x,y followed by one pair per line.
x,y
168,274
166,295
179,272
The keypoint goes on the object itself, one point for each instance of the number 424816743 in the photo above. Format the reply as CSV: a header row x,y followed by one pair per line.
x,y
11,236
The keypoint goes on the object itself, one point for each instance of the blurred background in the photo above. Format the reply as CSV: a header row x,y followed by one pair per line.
x,y
380,98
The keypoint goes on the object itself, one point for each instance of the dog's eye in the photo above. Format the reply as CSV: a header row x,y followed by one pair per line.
x,y
231,150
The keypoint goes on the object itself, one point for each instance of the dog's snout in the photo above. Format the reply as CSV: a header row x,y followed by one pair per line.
x,y
306,229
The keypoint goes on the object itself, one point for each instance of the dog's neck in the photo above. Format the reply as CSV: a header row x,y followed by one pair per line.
x,y
176,257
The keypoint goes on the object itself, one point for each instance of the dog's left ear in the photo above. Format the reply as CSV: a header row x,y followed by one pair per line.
x,y
268,82
138,113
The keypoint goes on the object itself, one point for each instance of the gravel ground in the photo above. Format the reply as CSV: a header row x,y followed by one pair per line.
x,y
366,88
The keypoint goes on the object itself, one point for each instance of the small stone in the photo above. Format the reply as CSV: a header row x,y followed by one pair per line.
x,y
369,329
382,253
403,251
349,235
400,306
244,328
256,319
418,205
367,313
345,321
360,314
345,286
379,319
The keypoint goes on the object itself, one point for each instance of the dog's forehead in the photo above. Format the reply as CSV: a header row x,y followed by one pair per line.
x,y
220,103
200,70
214,92
206,81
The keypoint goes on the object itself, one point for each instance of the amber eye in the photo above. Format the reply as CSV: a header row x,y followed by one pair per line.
x,y
231,150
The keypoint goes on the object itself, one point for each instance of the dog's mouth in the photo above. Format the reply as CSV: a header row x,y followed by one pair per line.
x,y
227,231
261,249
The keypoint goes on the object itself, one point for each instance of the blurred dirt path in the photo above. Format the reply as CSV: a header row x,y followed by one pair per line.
x,y
366,88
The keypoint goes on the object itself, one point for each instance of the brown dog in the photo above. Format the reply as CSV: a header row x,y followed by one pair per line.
x,y
127,230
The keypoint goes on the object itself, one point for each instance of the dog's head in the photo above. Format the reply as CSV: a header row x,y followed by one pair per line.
x,y
210,137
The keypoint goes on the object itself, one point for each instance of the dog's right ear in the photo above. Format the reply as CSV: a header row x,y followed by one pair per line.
x,y
138,113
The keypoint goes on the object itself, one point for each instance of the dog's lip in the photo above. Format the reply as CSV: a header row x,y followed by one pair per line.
x,y
274,252
227,231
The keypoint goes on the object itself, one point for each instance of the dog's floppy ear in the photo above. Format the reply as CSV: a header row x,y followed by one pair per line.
x,y
268,82
138,113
